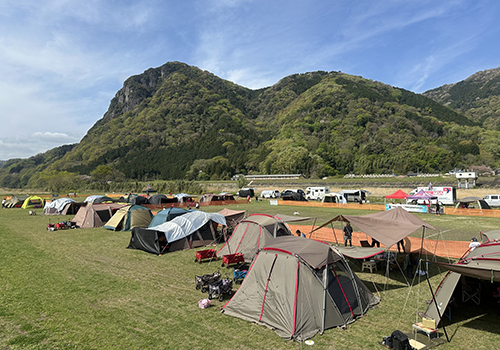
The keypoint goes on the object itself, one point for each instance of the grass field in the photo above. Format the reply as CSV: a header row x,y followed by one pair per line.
x,y
82,289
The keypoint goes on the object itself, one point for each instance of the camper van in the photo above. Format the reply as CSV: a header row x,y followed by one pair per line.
x,y
445,195
358,196
316,193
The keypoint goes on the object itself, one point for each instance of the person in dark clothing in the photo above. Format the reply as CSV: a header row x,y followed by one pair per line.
x,y
401,245
375,243
348,234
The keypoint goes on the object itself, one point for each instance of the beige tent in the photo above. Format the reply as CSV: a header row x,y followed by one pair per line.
x,y
253,233
300,287
95,215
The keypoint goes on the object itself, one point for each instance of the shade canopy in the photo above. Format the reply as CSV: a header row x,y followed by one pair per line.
x,y
422,195
387,227
397,195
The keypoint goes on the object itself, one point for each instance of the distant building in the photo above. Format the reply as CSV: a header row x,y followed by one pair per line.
x,y
466,179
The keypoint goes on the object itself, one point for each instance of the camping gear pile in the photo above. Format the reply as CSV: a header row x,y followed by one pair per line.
x,y
202,282
63,225
219,288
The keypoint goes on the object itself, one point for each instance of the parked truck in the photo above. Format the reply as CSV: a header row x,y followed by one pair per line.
x,y
445,195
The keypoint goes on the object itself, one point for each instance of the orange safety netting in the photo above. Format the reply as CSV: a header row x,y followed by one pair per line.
x,y
451,249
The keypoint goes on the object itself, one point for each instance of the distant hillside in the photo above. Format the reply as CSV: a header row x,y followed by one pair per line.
x,y
478,97
179,122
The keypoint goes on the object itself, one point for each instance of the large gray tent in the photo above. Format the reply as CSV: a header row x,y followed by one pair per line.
x,y
300,287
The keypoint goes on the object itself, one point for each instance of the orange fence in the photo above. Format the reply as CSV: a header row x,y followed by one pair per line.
x,y
451,249
366,206
446,210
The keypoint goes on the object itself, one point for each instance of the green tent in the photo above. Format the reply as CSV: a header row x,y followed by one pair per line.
x,y
128,217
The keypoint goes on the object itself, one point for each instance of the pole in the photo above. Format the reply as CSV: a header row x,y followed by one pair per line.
x,y
435,303
333,229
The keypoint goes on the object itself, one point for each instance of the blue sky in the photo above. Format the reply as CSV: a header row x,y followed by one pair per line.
x,y
62,61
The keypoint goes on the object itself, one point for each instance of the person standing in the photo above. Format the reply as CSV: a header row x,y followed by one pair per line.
x,y
348,234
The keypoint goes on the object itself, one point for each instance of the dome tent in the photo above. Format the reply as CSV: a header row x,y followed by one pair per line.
x,y
128,217
300,287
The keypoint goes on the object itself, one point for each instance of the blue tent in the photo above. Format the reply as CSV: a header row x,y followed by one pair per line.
x,y
167,215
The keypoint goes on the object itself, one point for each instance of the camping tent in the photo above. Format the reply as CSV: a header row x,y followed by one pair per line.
x,y
300,287
333,198
473,202
95,215
233,217
167,215
33,202
481,263
61,206
139,200
253,233
161,199
191,230
98,199
15,202
128,217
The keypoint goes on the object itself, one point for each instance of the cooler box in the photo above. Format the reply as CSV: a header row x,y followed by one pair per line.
x,y
232,259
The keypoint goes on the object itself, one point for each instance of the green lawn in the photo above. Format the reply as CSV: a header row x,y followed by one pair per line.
x,y
82,289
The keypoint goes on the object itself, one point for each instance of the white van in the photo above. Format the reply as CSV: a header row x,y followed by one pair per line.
x,y
492,199
316,193
270,194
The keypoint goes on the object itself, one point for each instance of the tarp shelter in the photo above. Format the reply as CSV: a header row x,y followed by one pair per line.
x,y
191,230
61,206
167,215
184,198
397,195
253,233
128,217
387,227
473,202
482,263
15,202
300,287
95,215
33,202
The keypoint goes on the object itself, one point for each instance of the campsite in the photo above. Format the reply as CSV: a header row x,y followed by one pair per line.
x,y
83,289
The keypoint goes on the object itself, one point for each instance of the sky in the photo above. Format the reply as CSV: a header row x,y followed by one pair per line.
x,y
62,61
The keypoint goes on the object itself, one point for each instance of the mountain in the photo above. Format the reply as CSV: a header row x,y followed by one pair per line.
x,y
478,97
180,122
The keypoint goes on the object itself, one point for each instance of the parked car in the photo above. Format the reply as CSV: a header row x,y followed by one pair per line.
x,y
289,191
270,194
492,199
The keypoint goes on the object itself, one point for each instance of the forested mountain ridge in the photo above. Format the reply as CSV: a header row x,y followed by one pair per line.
x,y
478,97
179,122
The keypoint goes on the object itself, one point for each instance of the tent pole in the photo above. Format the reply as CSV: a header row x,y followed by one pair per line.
x,y
333,229
435,303
421,244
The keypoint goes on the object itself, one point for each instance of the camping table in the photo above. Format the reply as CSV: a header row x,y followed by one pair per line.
x,y
429,331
